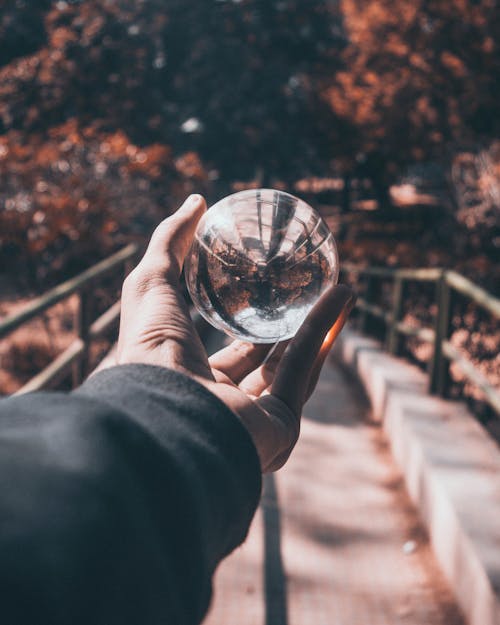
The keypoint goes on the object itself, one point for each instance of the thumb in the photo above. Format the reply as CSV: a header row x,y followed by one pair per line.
x,y
172,238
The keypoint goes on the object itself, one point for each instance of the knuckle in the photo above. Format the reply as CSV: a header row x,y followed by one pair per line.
x,y
145,277
135,282
131,280
163,229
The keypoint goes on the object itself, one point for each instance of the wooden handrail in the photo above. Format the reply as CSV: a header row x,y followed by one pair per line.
x,y
424,334
420,275
75,357
64,290
446,282
381,272
58,369
476,293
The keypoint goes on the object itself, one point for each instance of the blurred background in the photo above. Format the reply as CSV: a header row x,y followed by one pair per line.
x,y
383,115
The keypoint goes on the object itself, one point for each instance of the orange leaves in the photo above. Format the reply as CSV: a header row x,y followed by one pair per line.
x,y
417,75
159,154
425,111
369,21
46,154
61,36
285,89
190,166
72,195
116,145
151,160
454,64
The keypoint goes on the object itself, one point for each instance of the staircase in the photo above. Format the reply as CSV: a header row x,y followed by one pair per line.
x,y
343,533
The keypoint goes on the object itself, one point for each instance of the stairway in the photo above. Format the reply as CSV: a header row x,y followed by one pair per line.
x,y
336,540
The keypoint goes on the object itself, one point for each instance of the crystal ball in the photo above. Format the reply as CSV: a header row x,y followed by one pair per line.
x,y
259,261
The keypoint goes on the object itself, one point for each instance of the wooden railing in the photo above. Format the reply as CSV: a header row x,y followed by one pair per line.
x,y
75,358
447,285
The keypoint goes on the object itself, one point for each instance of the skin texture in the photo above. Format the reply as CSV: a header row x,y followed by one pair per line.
x,y
268,397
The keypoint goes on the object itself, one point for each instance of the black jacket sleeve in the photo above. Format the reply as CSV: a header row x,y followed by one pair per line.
x,y
118,500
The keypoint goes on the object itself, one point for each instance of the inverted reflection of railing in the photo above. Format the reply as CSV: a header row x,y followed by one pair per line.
x,y
447,285
75,358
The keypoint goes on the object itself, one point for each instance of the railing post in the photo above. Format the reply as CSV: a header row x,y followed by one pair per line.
x,y
369,295
440,367
393,339
83,320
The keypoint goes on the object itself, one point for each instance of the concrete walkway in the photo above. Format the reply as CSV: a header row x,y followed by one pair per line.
x,y
336,540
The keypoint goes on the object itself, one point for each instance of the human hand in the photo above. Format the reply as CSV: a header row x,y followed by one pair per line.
x,y
266,394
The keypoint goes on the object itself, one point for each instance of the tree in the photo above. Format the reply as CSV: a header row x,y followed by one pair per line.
x,y
418,75
245,73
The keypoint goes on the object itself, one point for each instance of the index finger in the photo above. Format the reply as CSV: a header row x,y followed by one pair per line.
x,y
238,359
292,378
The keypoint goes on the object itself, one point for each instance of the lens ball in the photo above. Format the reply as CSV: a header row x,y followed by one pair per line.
x,y
259,261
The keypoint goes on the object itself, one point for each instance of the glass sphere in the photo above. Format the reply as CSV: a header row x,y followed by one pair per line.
x,y
259,261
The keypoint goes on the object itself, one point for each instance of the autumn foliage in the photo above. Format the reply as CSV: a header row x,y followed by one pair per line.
x,y
111,112
385,113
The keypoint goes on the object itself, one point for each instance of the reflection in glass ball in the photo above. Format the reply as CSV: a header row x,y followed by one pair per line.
x,y
259,261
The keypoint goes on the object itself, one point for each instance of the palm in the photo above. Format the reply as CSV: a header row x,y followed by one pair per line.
x,y
267,395
243,375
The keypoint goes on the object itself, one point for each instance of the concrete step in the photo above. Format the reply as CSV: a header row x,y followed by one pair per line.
x,y
336,540
451,468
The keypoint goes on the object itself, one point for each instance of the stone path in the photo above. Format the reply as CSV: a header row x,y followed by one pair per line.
x,y
336,540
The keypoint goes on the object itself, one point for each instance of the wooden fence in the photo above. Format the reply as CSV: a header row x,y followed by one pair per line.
x,y
447,285
75,358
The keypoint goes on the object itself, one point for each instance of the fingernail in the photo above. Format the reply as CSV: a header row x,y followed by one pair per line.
x,y
194,199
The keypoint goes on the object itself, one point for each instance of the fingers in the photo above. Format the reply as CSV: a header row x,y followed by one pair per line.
x,y
294,372
238,359
271,424
285,429
173,237
257,381
326,347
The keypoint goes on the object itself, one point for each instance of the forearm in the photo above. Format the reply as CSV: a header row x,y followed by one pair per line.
x,y
119,499
211,449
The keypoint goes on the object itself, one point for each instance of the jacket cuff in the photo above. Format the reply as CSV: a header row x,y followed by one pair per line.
x,y
211,444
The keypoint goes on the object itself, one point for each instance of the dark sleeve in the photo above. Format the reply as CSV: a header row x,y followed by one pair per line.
x,y
118,500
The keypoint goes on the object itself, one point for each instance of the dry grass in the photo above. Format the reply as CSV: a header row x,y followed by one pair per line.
x,y
33,346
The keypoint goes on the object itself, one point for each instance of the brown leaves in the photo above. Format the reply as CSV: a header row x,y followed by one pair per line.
x,y
121,105
189,165
72,197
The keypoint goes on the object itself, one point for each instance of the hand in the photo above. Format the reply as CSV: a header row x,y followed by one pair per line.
x,y
268,396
